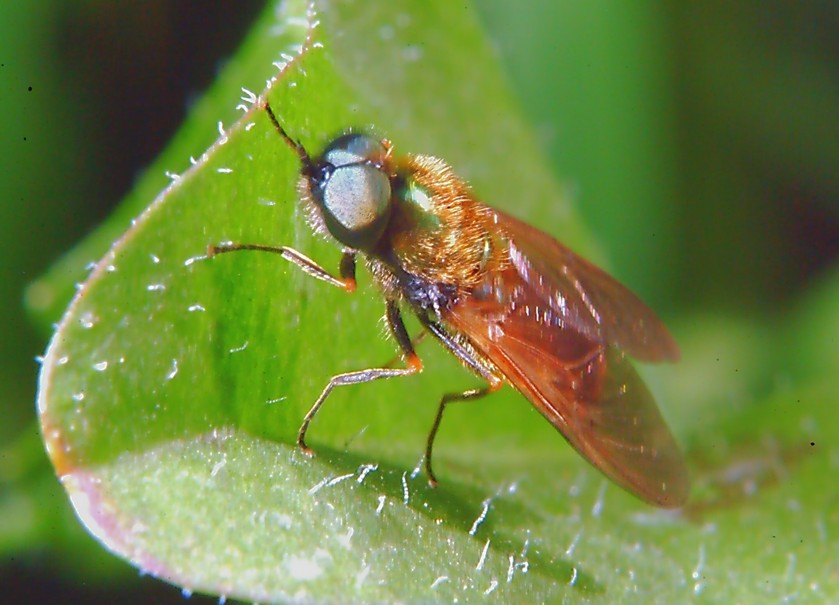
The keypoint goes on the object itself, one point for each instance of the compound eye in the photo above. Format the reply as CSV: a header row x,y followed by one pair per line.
x,y
356,204
353,149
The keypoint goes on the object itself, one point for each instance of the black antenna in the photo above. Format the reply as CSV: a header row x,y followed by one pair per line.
x,y
305,159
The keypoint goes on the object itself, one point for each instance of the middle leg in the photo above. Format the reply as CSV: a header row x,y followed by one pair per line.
x,y
413,365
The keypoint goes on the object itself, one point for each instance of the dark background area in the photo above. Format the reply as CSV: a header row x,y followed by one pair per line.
x,y
700,135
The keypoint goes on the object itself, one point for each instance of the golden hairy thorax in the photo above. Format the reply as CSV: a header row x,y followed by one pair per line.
x,y
438,231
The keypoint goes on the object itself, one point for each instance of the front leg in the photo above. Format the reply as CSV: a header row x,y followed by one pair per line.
x,y
346,282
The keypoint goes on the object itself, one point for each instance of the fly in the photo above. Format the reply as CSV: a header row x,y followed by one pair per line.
x,y
514,305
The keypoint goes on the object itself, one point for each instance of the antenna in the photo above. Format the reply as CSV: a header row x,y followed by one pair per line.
x,y
298,148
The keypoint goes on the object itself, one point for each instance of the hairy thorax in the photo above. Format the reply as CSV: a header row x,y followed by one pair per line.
x,y
438,234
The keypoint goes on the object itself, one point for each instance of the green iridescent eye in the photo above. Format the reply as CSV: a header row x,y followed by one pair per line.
x,y
353,191
356,203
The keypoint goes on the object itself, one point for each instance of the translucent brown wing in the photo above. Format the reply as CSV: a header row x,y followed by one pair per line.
x,y
584,297
553,325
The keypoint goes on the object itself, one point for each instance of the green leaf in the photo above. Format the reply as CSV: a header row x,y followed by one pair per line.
x,y
175,384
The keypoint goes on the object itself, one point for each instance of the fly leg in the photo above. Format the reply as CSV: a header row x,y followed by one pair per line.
x,y
345,282
413,365
471,360
415,341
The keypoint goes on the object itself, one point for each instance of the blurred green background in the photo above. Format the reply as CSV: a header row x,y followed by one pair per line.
x,y
699,140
